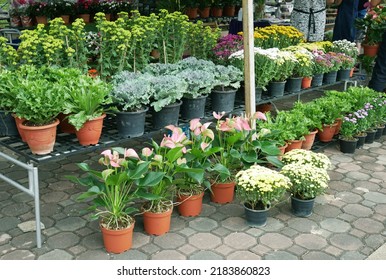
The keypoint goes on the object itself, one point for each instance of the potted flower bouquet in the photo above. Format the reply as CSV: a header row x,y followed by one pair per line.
x,y
308,182
258,188
307,157
348,129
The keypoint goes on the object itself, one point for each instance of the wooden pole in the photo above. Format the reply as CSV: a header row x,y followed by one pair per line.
x,y
249,59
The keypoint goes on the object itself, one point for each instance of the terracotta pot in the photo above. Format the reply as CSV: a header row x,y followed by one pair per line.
x,y
64,125
306,82
15,21
264,107
282,150
157,223
40,139
117,241
204,13
294,144
191,205
309,141
229,11
216,11
327,133
18,122
370,50
108,17
222,192
26,21
339,122
66,19
352,72
85,17
192,13
41,20
91,131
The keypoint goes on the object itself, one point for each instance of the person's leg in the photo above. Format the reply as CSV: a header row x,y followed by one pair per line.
x,y
378,79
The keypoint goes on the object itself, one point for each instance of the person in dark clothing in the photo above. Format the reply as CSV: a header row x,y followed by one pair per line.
x,y
344,27
360,34
378,79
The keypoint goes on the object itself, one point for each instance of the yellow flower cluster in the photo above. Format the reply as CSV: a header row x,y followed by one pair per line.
x,y
8,55
278,36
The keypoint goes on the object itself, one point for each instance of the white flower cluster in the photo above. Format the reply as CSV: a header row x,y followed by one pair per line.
x,y
261,179
301,156
346,47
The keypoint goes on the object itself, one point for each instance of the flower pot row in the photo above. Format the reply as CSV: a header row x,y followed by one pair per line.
x,y
358,141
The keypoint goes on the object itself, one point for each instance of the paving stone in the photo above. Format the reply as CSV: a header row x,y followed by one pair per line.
x,y
364,158
366,186
52,197
204,241
335,225
311,241
224,250
347,217
203,224
358,175
187,249
4,238
302,225
367,251
93,241
352,256
169,241
375,197
255,232
25,240
339,186
346,242
30,226
63,240
332,250
297,250
177,224
374,241
368,225
317,256
240,240
280,255
207,210
205,255
289,232
276,241
350,166
93,255
335,176
18,255
341,158
221,231
381,209
8,223
77,250
131,254
148,249
273,225
71,224
187,231
373,166
260,249
218,216
56,254
349,197
368,204
357,210
379,175
19,197
243,255
169,255
61,185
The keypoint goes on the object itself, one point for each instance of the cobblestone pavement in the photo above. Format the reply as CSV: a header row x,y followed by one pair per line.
x,y
348,222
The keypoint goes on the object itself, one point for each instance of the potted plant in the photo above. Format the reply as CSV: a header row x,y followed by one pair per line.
x,y
204,8
229,136
347,141
114,193
227,81
304,157
303,68
347,64
64,9
86,105
230,7
334,65
191,8
191,187
330,113
308,182
7,103
24,10
84,9
225,47
131,93
321,66
41,11
258,188
167,164
373,24
38,100
216,8
200,78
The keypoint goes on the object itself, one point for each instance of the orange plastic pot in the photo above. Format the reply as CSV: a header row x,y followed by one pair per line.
x,y
117,241
282,150
306,82
204,13
339,122
190,205
327,133
91,131
294,144
40,139
222,192
370,50
157,223
309,140
229,11
192,13
19,121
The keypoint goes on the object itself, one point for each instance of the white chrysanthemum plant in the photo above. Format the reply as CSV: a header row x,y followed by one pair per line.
x,y
301,156
259,187
307,180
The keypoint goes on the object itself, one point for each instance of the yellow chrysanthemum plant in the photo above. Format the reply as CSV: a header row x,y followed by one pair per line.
x,y
304,66
307,171
258,187
277,36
